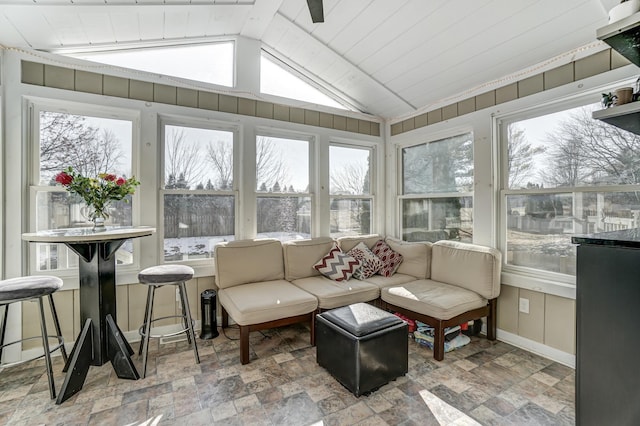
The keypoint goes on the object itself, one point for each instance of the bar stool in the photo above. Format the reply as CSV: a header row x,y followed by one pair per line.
x,y
34,288
158,276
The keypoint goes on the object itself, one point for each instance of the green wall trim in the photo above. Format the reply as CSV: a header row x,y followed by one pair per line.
x,y
39,74
576,70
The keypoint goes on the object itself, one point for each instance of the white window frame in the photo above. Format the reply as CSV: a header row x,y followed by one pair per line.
x,y
428,195
174,120
34,107
373,161
285,134
526,277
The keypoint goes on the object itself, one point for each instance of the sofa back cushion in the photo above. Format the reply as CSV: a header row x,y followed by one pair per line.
x,y
248,261
471,266
301,255
416,257
347,243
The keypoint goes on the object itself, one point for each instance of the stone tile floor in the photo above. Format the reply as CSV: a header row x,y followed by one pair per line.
x,y
487,383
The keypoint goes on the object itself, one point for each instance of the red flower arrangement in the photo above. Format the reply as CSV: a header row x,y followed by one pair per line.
x,y
97,192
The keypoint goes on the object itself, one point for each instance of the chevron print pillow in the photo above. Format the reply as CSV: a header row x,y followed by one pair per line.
x,y
337,265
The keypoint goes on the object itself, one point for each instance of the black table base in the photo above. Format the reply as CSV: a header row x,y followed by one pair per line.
x,y
101,339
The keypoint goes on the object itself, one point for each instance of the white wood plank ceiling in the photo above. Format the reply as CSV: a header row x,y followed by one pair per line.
x,y
391,57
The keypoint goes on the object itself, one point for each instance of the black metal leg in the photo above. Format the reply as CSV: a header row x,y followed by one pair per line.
x,y
147,330
187,312
118,348
45,346
146,315
79,362
4,329
56,323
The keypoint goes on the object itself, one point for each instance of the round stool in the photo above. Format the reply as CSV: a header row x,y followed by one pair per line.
x,y
158,276
34,288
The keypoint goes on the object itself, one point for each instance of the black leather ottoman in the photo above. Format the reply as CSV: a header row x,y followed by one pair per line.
x,y
362,346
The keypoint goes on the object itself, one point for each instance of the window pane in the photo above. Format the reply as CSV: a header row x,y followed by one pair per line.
x,y
433,219
211,63
349,171
540,226
91,145
350,216
194,224
282,165
569,149
284,218
441,166
196,158
276,80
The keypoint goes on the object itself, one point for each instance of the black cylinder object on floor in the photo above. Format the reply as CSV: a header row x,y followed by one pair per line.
x,y
209,329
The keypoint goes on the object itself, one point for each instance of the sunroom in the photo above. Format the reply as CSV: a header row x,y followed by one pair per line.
x,y
472,122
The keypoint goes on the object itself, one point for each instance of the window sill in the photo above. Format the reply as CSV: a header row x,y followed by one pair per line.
x,y
539,284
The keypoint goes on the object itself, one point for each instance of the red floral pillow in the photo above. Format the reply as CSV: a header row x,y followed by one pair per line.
x,y
337,265
369,262
391,260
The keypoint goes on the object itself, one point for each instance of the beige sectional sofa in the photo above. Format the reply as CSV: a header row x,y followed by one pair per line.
x,y
265,284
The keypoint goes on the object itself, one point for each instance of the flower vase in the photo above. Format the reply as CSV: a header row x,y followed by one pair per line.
x,y
98,223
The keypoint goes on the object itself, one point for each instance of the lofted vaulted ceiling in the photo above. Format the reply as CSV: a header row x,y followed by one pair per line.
x,y
390,57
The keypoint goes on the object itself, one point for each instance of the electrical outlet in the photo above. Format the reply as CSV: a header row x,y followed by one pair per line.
x,y
524,305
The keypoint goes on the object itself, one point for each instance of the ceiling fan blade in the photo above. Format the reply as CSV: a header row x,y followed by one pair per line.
x,y
315,8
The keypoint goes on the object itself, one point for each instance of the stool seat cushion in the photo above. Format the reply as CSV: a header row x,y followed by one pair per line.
x,y
266,301
28,287
162,274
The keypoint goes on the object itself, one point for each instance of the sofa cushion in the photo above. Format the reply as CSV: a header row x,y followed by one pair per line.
x,y
260,302
433,298
390,259
349,242
337,265
416,257
248,261
301,255
396,279
471,266
369,262
332,294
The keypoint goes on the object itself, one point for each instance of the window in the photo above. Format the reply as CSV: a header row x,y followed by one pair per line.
x,y
350,190
282,183
91,145
198,196
276,80
564,174
437,190
210,63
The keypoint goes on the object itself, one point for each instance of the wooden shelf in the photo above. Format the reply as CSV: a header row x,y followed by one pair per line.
x,y
624,37
626,117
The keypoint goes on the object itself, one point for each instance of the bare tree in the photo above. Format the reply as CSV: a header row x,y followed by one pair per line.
x,y
350,179
67,140
181,158
270,165
220,156
520,157
588,151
